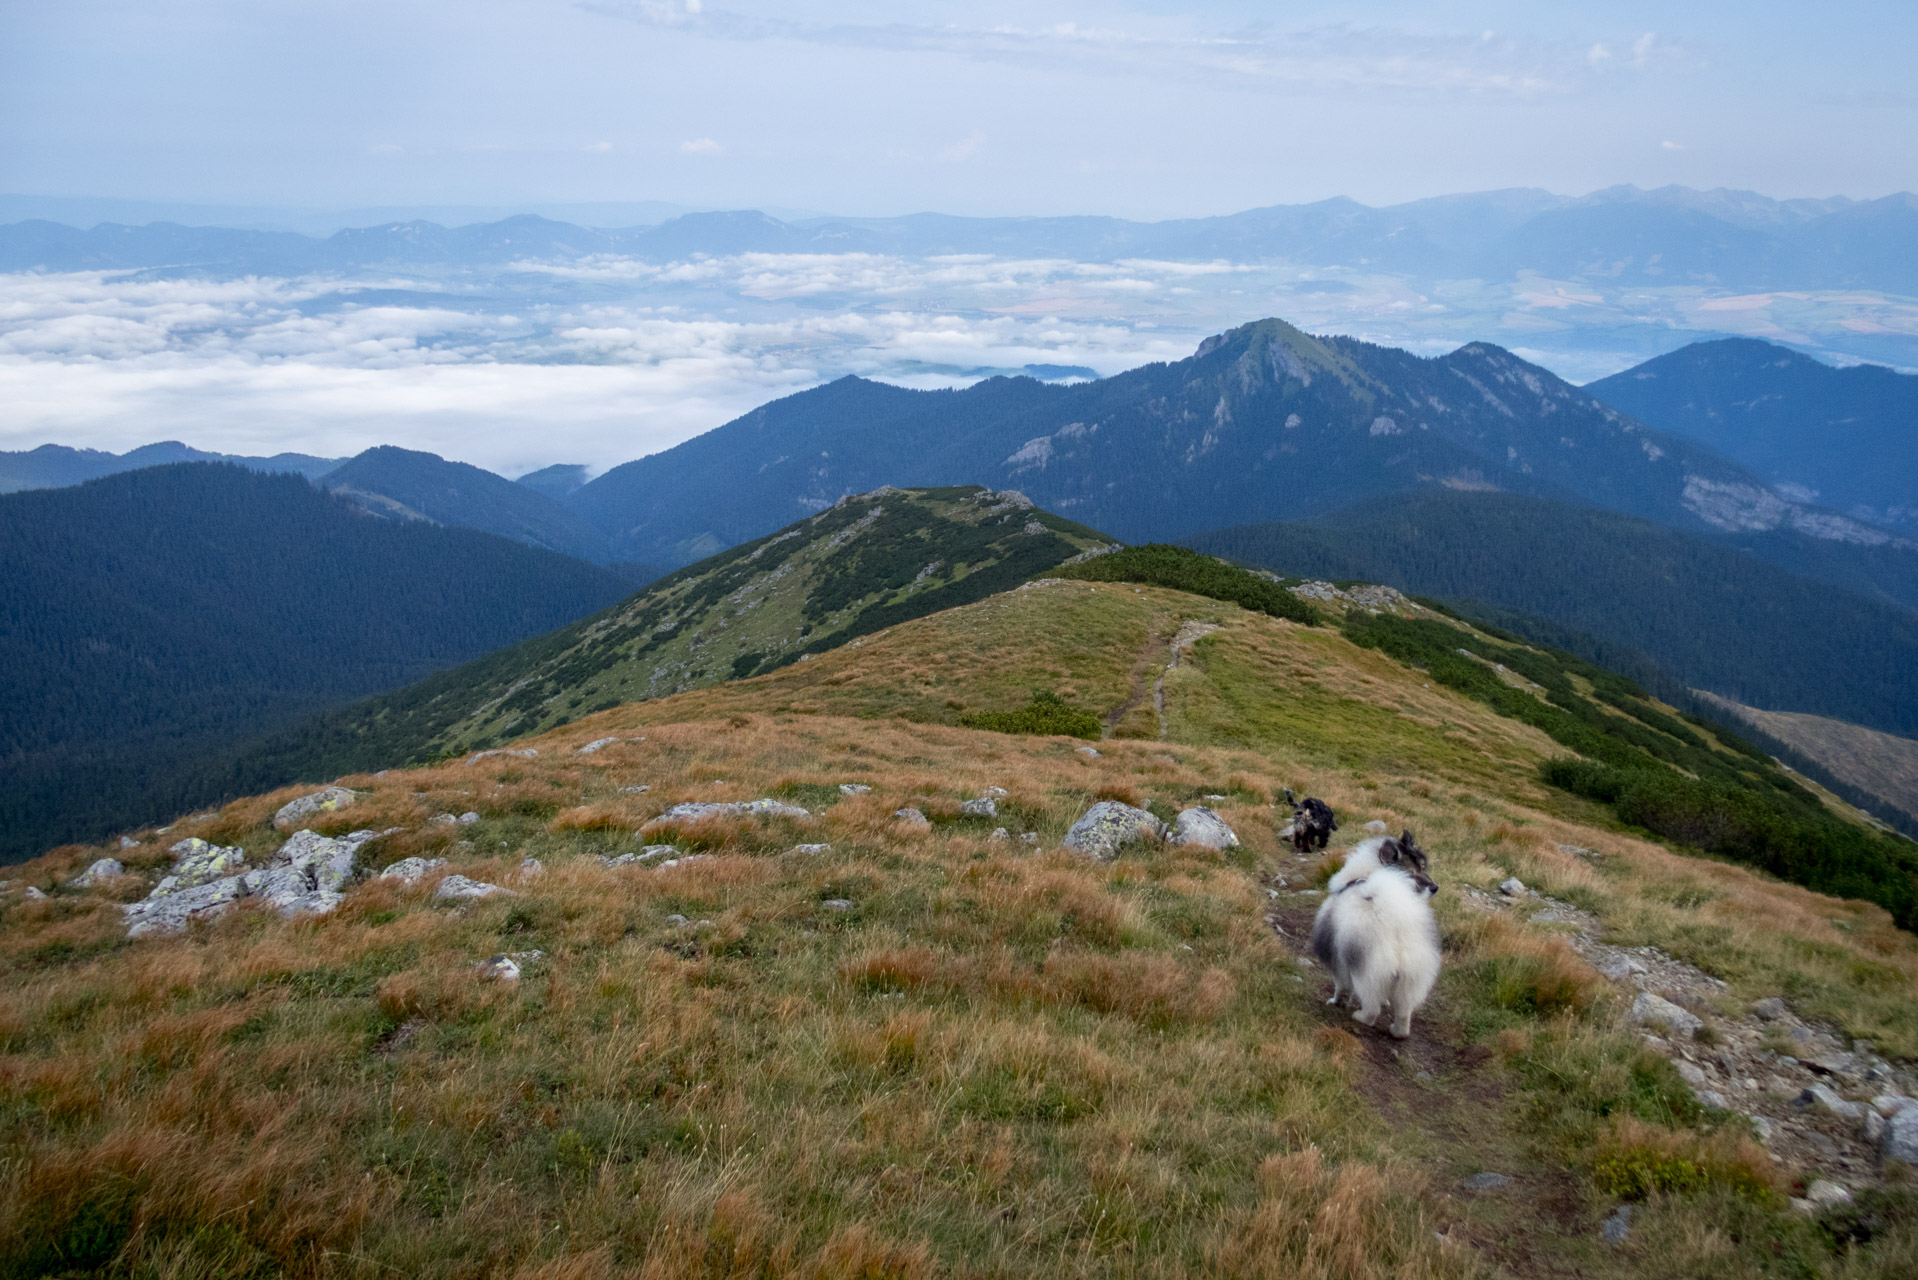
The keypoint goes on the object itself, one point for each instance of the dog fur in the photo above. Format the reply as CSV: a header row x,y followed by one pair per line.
x,y
1368,856
1377,936
1312,822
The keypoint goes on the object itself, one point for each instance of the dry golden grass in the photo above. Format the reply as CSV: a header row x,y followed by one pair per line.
x,y
996,1060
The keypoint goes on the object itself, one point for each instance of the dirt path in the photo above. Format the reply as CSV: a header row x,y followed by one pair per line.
x,y
1189,634
1452,1094
1153,655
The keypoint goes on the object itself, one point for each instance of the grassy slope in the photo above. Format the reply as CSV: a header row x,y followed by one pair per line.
x,y
1880,764
995,1062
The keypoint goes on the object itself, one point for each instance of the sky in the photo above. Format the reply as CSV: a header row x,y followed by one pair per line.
x,y
1149,109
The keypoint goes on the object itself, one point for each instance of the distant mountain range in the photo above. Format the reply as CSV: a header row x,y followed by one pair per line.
x,y
54,466
1669,236
1845,438
153,622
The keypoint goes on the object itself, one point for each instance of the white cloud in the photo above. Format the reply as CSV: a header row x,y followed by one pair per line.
x,y
964,149
700,147
1669,145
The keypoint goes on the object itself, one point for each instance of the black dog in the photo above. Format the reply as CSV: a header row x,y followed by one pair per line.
x,y
1312,822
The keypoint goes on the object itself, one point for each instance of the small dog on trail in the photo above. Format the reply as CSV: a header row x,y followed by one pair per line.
x,y
1376,934
1312,823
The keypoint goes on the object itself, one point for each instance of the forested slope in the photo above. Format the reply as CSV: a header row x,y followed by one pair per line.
x,y
150,618
1708,614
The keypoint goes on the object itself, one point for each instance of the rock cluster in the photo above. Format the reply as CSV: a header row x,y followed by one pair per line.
x,y
1108,826
309,873
695,811
411,870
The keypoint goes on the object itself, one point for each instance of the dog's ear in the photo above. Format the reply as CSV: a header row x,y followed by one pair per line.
x,y
1389,853
1407,840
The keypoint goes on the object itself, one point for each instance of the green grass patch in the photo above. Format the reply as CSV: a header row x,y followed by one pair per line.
x,y
1046,713
1160,564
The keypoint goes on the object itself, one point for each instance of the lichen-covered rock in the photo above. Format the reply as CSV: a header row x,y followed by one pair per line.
x,y
456,888
854,788
1109,826
647,854
309,874
411,870
913,818
325,800
1201,828
695,811
500,969
597,744
1650,1009
103,869
983,807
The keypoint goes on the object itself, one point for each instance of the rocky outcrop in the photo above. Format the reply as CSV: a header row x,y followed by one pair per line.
x,y
411,870
459,888
1201,828
309,874
325,800
1109,826
983,807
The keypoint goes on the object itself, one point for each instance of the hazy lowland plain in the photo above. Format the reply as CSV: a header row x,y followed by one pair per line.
x,y
920,1050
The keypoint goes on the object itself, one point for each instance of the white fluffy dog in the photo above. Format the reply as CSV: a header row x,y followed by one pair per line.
x,y
1376,934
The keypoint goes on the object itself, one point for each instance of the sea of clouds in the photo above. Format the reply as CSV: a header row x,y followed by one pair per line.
x,y
606,359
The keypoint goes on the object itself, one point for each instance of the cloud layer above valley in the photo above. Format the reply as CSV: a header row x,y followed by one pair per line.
x,y
606,359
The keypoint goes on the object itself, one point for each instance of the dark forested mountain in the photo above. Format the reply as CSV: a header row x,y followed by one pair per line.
x,y
1708,614
1846,438
863,565
1264,423
54,466
151,620
556,481
1672,235
410,485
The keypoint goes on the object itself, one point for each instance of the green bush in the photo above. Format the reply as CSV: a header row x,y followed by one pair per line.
x,y
1047,713
1160,564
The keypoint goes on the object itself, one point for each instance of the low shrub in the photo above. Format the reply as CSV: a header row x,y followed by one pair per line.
x,y
1160,564
1047,713
1634,1160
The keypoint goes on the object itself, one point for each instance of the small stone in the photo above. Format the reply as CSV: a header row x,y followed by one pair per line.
x,y
677,921
595,745
854,788
1762,1128
524,753
1485,1182
531,867
1690,1072
128,842
103,869
411,870
456,887
325,800
1028,837
34,894
467,819
1822,1098
913,818
1712,1098
1375,828
1771,1009
1215,795
1512,888
1619,968
704,924
983,807
812,848
1823,1192
444,820
996,793
1653,1009
634,790
1090,753
837,904
680,862
999,834
500,969
1616,1228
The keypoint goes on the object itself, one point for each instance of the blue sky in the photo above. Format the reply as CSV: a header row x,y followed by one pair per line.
x,y
1046,106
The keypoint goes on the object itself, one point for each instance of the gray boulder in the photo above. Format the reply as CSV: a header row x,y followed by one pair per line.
x,y
1900,1138
1821,1097
1512,887
1771,1009
913,818
1109,826
1202,829
854,788
1485,1181
1649,1010
195,862
983,807
647,854
500,969
309,874
325,800
596,744
103,869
